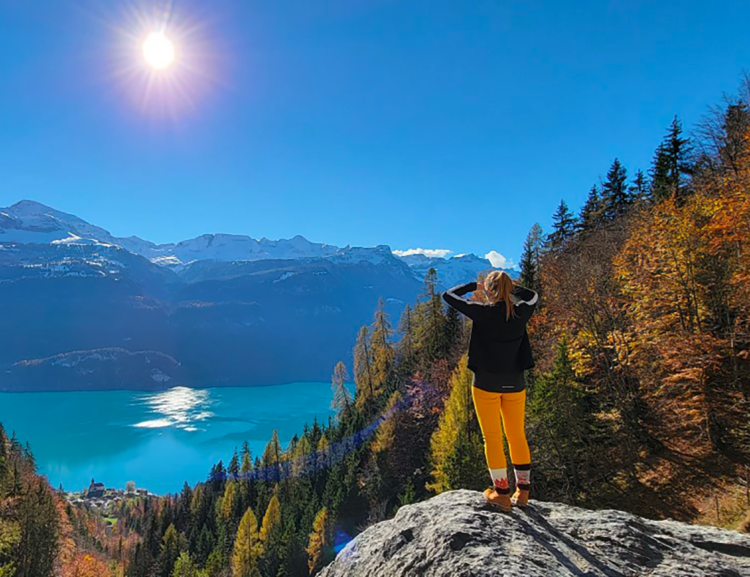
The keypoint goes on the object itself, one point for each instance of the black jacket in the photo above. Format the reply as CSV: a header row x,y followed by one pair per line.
x,y
497,345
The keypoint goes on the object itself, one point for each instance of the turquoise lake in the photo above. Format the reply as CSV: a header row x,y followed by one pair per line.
x,y
159,440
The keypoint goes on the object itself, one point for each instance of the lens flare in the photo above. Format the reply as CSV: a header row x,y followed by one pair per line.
x,y
158,50
164,61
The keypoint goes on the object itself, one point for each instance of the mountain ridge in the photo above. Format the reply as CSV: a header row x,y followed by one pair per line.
x,y
31,222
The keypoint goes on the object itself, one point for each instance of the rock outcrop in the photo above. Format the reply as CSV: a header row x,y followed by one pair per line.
x,y
457,534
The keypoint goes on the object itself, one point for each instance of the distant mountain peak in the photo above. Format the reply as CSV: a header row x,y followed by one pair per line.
x,y
31,222
28,205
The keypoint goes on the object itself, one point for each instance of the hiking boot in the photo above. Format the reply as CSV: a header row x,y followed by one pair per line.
x,y
520,498
499,500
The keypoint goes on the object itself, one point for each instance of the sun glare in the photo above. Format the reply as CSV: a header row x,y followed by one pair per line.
x,y
158,50
164,61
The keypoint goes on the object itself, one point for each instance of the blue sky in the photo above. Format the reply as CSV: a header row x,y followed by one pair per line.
x,y
434,124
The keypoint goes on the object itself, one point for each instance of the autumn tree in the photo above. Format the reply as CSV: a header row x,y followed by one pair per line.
x,y
84,565
382,352
271,537
247,547
456,447
271,458
363,369
320,545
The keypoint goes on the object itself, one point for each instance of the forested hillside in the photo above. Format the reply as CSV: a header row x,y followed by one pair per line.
x,y
640,399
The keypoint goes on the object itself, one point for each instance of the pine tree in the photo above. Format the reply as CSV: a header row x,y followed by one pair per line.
x,y
532,248
363,377
671,166
247,462
38,519
382,353
430,341
560,415
563,226
661,187
206,544
406,347
640,189
453,328
320,546
341,396
185,567
233,470
591,216
272,457
247,546
170,551
615,193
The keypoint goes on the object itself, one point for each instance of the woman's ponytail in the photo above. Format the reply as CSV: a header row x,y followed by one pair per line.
x,y
498,286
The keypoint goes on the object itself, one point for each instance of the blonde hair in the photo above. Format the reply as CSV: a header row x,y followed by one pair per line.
x,y
497,287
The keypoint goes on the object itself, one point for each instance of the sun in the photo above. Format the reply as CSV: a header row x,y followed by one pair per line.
x,y
158,50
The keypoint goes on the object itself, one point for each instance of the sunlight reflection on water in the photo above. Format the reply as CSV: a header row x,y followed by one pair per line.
x,y
180,407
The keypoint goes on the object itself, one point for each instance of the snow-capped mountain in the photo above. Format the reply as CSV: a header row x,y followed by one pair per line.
x,y
29,222
228,247
80,305
452,271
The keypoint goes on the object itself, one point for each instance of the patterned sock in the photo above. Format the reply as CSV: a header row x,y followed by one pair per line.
x,y
500,480
523,476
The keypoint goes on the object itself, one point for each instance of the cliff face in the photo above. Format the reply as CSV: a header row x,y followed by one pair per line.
x,y
457,534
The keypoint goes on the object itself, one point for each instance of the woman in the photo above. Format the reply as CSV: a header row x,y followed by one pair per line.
x,y
499,353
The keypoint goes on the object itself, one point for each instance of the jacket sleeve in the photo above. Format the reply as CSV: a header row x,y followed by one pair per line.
x,y
454,298
527,300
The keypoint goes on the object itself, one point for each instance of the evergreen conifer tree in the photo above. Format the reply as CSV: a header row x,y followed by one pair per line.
x,y
615,193
532,248
341,396
563,226
591,215
671,166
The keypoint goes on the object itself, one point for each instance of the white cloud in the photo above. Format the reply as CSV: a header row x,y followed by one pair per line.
x,y
431,252
499,261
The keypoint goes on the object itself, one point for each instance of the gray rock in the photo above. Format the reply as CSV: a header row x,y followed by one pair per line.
x,y
457,534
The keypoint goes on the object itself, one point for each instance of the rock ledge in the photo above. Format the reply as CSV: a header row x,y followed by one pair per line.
x,y
457,534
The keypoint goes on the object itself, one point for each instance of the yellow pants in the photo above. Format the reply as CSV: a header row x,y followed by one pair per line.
x,y
497,411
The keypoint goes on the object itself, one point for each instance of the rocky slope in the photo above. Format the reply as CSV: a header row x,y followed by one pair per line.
x,y
457,534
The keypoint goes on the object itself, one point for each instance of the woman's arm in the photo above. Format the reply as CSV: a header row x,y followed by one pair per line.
x,y
454,298
525,295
